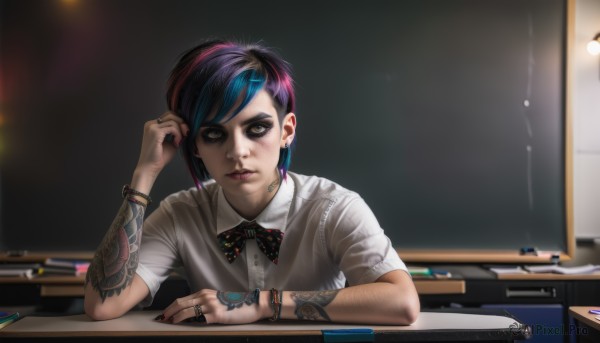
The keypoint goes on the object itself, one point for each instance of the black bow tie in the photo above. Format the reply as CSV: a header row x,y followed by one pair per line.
x,y
233,241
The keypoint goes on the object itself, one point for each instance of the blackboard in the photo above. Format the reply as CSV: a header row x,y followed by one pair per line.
x,y
447,116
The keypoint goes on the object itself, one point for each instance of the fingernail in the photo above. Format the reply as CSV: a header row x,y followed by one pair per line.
x,y
160,317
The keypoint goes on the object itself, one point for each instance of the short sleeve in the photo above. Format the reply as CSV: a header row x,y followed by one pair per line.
x,y
158,251
357,244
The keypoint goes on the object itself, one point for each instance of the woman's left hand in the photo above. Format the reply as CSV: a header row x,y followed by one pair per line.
x,y
219,307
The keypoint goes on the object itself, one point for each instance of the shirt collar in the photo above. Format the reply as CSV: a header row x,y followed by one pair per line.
x,y
274,216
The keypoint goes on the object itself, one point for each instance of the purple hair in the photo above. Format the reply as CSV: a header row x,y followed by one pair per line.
x,y
212,77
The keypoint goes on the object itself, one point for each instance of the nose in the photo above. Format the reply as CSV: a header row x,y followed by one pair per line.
x,y
238,148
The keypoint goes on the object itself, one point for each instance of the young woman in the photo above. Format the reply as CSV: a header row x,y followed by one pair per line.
x,y
255,240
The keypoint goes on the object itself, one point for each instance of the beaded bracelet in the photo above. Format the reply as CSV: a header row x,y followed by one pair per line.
x,y
276,299
136,201
128,192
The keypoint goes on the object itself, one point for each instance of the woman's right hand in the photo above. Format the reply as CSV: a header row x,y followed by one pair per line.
x,y
162,138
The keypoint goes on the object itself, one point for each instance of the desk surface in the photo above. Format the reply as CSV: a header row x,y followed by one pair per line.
x,y
429,326
581,313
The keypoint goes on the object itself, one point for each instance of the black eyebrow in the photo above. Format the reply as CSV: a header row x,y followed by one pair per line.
x,y
258,117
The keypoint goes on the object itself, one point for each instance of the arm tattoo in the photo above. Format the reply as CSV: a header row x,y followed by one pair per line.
x,y
116,259
311,305
235,300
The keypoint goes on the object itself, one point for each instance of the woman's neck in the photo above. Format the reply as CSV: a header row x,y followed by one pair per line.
x,y
251,205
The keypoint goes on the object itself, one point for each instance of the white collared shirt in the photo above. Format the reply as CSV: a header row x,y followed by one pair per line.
x,y
330,235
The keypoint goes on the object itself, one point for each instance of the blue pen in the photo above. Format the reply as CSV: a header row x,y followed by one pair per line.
x,y
348,335
595,311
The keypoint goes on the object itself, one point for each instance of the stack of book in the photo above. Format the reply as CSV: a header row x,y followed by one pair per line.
x,y
51,266
418,272
27,270
55,266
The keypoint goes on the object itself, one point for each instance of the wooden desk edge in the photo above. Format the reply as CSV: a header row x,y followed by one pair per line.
x,y
581,314
44,280
474,257
223,333
423,286
41,256
428,287
11,334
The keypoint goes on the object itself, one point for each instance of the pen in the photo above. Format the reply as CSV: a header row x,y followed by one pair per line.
x,y
595,311
348,335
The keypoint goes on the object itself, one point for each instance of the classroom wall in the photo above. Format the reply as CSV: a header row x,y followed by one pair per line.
x,y
586,115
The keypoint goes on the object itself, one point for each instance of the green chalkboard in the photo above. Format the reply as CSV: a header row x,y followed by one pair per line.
x,y
447,116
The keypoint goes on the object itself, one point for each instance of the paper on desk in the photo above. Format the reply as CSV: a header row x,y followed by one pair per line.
x,y
508,270
585,269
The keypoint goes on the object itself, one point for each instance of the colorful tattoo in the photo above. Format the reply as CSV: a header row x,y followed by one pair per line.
x,y
116,259
235,300
311,305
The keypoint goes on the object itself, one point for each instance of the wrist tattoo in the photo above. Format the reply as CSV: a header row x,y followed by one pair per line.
x,y
311,305
235,300
116,259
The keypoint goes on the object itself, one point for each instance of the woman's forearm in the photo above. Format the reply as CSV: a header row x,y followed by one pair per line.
x,y
116,259
383,302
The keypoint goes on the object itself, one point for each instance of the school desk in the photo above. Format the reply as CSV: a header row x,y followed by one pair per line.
x,y
140,326
586,323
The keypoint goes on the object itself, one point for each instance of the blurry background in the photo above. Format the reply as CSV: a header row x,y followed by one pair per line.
x,y
446,116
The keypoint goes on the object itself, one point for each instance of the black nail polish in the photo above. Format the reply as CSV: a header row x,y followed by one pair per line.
x,y
160,317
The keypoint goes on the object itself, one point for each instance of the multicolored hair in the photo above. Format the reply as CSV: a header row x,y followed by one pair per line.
x,y
211,77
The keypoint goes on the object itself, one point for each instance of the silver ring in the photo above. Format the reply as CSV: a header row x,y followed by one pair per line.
x,y
159,120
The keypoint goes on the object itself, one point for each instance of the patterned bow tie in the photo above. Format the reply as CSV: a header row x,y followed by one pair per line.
x,y
233,241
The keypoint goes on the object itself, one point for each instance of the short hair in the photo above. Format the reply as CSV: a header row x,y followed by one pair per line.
x,y
211,77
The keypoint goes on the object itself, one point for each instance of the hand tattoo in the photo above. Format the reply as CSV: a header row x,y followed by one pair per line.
x,y
116,259
311,305
235,300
